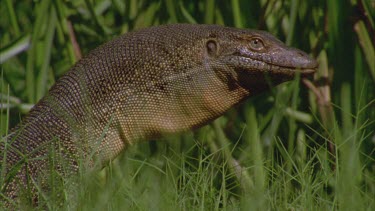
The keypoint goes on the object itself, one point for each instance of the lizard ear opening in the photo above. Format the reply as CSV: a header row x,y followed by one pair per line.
x,y
212,47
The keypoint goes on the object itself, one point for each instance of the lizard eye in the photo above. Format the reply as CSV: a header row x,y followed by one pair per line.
x,y
256,44
212,47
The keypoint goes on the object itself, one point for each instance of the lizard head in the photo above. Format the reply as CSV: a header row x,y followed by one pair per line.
x,y
256,59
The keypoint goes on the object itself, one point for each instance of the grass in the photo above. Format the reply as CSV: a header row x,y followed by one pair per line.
x,y
300,146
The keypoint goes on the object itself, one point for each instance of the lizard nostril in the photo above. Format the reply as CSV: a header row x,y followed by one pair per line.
x,y
301,53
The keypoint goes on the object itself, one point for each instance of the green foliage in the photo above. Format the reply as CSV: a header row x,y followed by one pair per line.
x,y
294,148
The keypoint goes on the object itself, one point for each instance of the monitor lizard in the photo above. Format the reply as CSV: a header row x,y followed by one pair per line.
x,y
140,86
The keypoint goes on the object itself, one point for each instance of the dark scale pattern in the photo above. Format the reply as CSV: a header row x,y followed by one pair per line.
x,y
143,85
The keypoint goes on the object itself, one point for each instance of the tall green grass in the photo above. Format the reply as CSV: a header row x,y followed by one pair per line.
x,y
300,146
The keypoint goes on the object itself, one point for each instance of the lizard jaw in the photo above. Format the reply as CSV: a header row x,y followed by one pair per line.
x,y
256,65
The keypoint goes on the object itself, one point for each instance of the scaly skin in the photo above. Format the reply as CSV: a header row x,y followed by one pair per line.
x,y
140,86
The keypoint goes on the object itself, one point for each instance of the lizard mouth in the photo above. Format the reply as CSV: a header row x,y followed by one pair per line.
x,y
257,65
291,70
280,62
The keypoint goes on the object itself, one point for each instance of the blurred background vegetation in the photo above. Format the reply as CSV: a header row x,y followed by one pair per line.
x,y
306,144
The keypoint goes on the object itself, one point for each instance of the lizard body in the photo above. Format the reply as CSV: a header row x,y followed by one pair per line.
x,y
142,85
